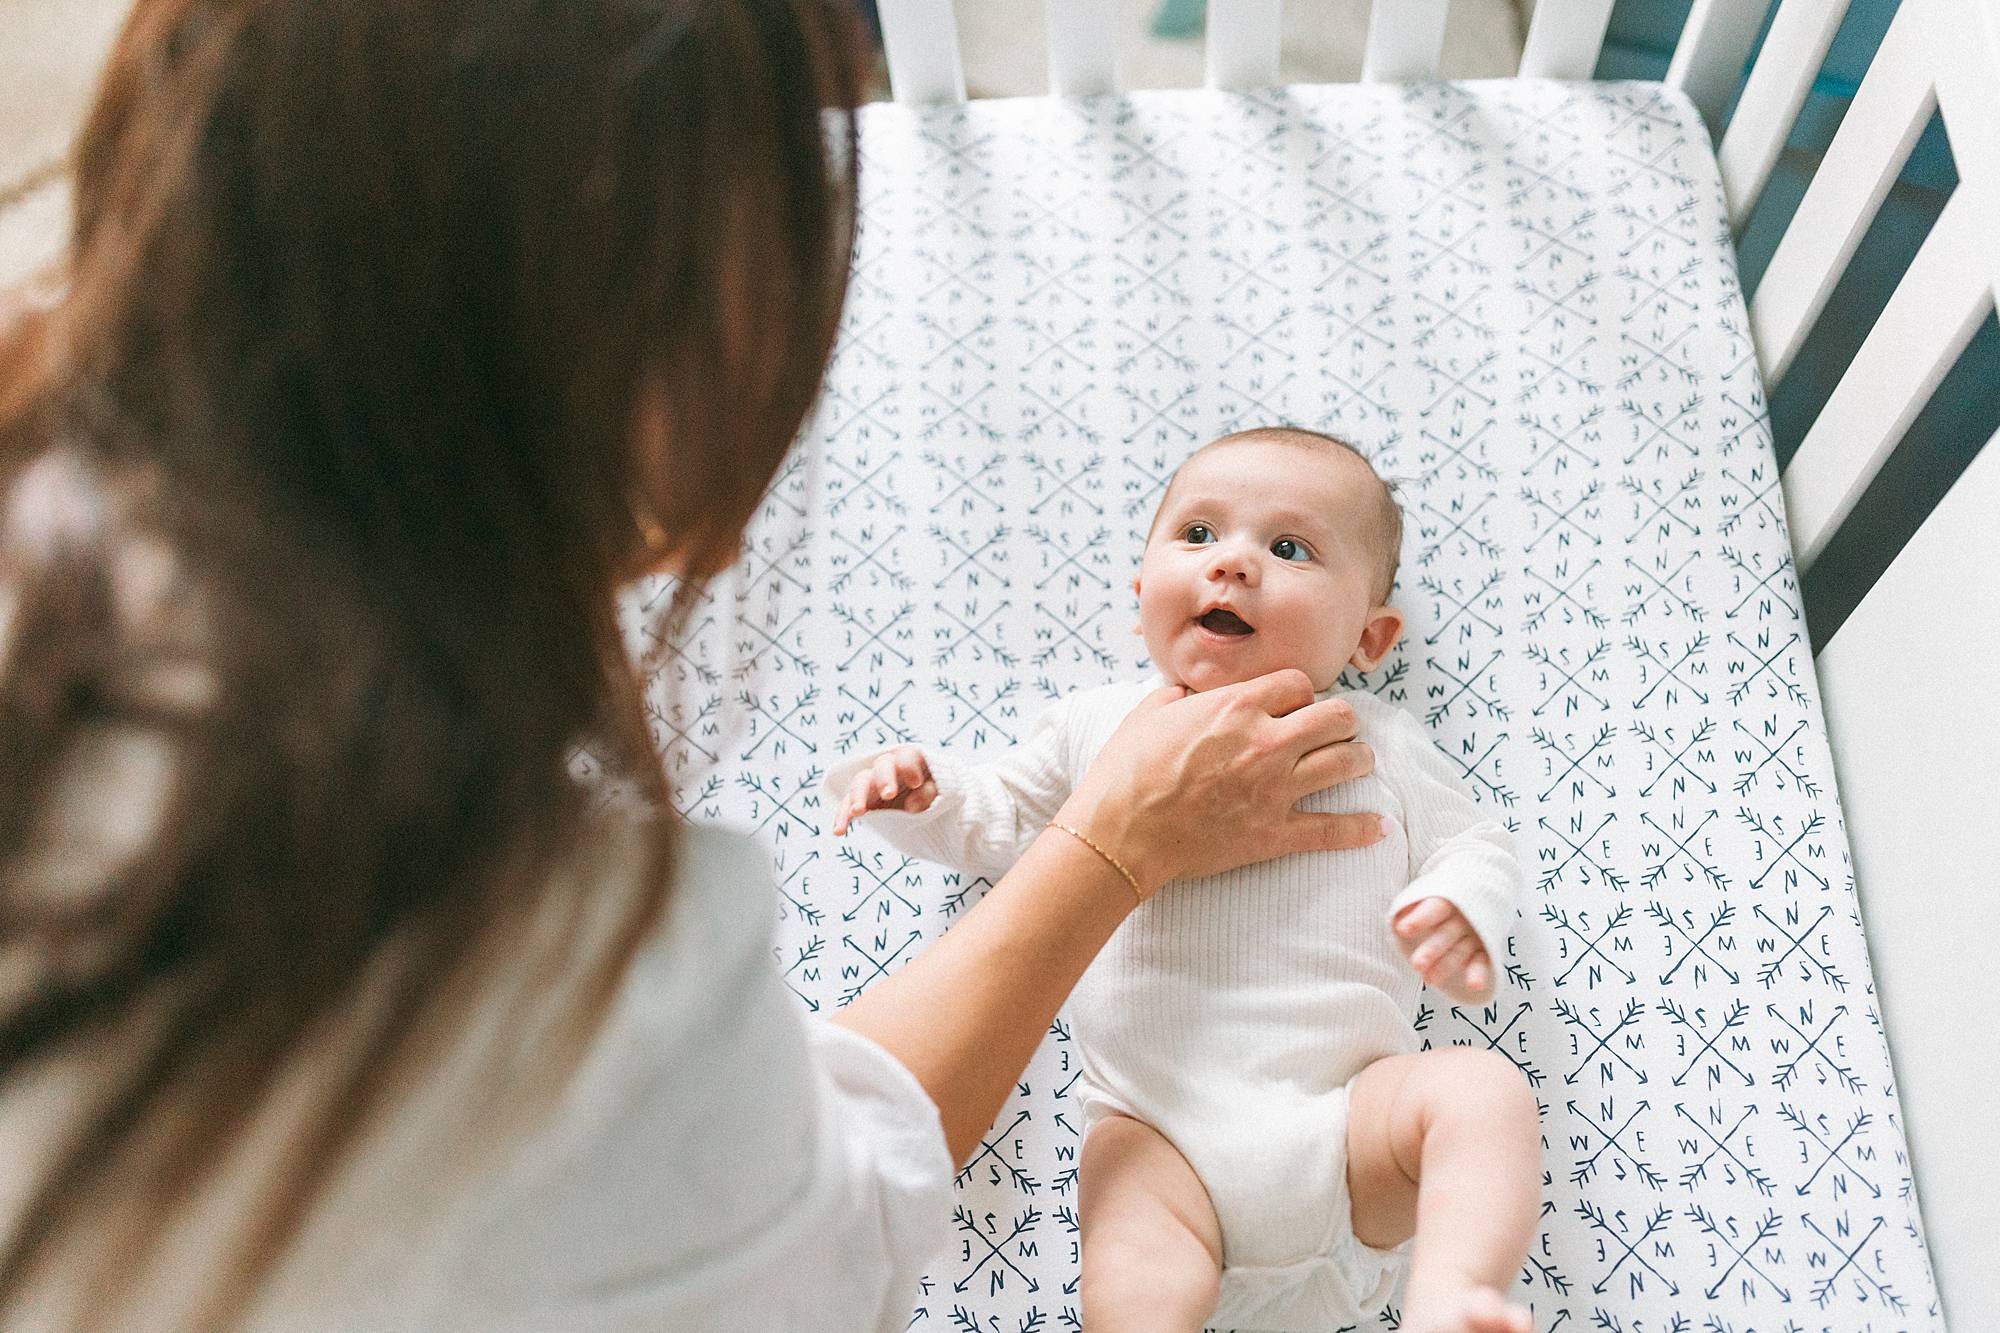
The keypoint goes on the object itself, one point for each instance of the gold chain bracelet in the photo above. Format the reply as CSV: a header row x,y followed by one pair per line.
x,y
1138,894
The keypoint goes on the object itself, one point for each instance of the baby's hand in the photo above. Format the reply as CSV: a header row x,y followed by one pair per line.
x,y
1445,950
898,779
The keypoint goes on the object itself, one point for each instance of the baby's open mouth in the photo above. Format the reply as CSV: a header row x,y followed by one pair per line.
x,y
1224,621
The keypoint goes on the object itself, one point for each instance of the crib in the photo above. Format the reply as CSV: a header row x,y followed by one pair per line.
x,y
1520,295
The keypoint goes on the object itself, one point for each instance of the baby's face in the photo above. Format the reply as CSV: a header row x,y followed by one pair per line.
x,y
1277,535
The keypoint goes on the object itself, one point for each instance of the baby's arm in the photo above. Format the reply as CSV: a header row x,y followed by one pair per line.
x,y
1466,883
987,807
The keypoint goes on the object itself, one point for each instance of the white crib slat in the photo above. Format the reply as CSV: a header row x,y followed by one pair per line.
x,y
1083,46
1927,323
1708,59
1564,39
1917,756
1243,43
1776,89
920,40
1964,48
1405,39
1875,137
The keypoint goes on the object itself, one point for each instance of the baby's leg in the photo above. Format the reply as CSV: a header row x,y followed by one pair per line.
x,y
1446,1144
1152,1249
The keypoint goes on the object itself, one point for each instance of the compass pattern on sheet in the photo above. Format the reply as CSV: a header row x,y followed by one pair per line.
x,y
1520,299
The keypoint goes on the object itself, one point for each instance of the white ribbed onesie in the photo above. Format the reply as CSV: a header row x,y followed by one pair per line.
x,y
1231,1013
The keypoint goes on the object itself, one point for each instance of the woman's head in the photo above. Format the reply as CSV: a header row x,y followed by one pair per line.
x,y
454,256
395,337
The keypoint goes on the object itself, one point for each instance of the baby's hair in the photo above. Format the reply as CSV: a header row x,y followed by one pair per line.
x,y
1387,537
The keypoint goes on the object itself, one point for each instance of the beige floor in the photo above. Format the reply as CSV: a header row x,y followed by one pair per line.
x,y
51,50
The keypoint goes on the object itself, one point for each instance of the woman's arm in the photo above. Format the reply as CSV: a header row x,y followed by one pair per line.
x,y
966,1014
1187,786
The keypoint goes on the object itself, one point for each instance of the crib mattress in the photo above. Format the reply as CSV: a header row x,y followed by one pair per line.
x,y
1520,297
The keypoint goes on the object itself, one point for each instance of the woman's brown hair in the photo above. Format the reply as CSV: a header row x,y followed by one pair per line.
x,y
394,338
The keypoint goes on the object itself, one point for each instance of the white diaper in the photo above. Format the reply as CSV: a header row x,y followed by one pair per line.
x,y
1291,1262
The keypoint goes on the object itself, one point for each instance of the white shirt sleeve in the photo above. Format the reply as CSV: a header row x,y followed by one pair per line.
x,y
989,807
722,1160
1458,851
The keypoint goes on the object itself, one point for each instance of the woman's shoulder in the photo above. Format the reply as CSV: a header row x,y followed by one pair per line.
x,y
719,906
697,1062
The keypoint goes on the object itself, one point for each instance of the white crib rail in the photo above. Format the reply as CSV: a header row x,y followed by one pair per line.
x,y
1772,96
1938,53
1405,39
920,42
1917,753
1082,46
1564,39
1243,43
1874,140
1914,754
1708,62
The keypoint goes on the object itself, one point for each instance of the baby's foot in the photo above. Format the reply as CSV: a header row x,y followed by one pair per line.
x,y
1468,1310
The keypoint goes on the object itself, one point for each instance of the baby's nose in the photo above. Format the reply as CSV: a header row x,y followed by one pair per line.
x,y
1233,564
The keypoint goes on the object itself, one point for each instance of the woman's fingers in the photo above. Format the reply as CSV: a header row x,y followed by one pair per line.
x,y
1322,722
1331,765
1279,693
1191,785
1315,832
917,798
887,783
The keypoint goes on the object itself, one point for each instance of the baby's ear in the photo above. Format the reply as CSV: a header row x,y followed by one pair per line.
x,y
1378,636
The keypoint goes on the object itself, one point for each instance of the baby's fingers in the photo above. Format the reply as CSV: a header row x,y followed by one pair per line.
x,y
911,770
1466,977
1422,915
863,795
1437,944
853,803
1452,962
1478,974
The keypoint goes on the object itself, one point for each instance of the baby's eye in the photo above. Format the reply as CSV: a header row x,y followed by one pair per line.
x,y
1200,534
1285,548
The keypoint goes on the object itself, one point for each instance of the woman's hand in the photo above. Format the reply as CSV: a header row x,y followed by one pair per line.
x,y
1195,784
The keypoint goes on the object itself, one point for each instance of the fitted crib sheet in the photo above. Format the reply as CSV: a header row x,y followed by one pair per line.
x,y
1520,298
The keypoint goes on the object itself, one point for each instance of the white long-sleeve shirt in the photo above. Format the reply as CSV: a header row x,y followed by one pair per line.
x,y
1226,1011
718,1161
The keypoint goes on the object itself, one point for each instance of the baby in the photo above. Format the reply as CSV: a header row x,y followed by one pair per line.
x,y
1264,1146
